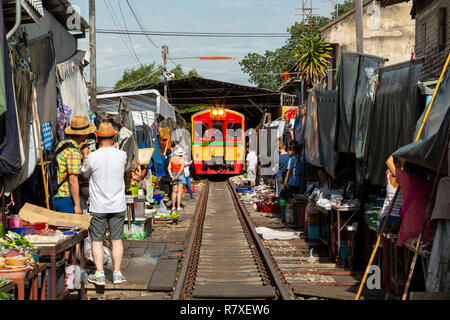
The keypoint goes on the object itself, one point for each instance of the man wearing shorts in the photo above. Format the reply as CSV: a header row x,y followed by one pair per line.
x,y
252,161
106,169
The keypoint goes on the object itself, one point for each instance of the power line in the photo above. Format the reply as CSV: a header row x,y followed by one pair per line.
x,y
196,34
141,26
129,38
116,23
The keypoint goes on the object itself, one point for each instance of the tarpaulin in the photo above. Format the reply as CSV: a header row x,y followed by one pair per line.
x,y
393,117
353,82
12,155
299,125
43,66
427,151
326,118
72,85
311,133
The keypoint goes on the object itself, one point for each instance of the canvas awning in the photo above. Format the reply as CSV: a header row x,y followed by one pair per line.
x,y
144,101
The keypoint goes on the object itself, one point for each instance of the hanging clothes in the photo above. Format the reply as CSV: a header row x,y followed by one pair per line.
x,y
12,155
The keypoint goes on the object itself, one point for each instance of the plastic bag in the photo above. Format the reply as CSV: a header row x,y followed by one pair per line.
x,y
107,255
311,258
161,206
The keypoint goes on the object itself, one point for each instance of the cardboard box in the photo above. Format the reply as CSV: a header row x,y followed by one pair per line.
x,y
38,214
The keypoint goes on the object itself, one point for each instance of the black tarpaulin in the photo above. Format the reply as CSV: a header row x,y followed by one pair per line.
x,y
427,151
10,157
326,118
354,71
393,116
311,139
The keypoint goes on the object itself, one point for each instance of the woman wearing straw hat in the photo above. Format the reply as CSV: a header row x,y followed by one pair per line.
x,y
67,200
176,173
106,169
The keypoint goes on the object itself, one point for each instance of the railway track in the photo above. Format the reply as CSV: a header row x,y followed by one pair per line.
x,y
225,258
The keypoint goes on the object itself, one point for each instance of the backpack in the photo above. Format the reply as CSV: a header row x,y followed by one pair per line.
x,y
53,185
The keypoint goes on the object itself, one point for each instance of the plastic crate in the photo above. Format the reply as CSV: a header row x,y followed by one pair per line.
x,y
22,231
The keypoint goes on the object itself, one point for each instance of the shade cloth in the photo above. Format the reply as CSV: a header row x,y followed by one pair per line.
x,y
354,74
427,151
393,117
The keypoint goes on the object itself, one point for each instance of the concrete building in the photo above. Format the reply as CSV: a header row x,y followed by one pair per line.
x,y
388,32
432,39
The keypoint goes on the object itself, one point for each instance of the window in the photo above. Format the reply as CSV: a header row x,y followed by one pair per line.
x,y
200,129
442,17
234,129
217,130
423,33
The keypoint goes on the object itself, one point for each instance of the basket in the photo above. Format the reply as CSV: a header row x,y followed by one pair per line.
x,y
268,208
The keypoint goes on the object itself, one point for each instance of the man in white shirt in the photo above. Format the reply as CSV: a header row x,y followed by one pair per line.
x,y
252,161
106,169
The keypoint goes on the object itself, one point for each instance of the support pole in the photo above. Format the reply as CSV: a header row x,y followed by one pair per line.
x,y
359,26
93,56
38,129
165,51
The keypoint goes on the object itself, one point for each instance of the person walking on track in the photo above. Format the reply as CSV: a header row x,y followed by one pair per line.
x,y
106,169
176,173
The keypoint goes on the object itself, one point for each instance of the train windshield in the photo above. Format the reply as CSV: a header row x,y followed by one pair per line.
x,y
217,130
234,129
200,130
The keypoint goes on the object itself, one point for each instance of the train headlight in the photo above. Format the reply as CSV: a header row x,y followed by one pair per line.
x,y
221,112
214,112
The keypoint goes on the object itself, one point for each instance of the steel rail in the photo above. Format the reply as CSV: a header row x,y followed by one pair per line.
x,y
267,260
186,269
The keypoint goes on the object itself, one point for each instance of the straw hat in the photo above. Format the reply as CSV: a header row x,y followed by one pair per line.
x,y
179,152
105,130
80,126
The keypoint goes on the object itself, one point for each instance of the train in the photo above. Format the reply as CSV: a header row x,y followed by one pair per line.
x,y
218,141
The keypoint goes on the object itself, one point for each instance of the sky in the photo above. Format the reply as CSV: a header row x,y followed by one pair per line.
x,y
113,56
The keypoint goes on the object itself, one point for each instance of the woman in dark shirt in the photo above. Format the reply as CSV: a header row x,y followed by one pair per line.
x,y
282,168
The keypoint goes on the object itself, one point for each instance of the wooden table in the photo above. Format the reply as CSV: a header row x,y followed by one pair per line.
x,y
338,211
392,253
29,278
329,222
67,245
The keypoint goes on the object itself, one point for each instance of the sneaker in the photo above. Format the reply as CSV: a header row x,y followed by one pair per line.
x,y
96,279
179,209
118,278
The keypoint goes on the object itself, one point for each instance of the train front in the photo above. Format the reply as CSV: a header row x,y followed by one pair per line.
x,y
218,141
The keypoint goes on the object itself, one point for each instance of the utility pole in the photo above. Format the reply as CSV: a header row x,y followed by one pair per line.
x,y
165,52
359,26
93,58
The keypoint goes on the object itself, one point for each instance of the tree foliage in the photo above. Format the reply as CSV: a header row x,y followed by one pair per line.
x,y
265,69
148,74
340,9
313,58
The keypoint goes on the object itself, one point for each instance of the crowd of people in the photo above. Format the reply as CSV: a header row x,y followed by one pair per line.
x,y
104,173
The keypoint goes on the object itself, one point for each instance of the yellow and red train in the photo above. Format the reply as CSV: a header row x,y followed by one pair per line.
x,y
218,141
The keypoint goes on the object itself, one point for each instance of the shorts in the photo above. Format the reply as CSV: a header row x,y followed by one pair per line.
x,y
251,174
99,221
181,179
64,204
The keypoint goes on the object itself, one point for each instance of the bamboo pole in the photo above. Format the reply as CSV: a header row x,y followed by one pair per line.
x,y
38,129
425,118
374,251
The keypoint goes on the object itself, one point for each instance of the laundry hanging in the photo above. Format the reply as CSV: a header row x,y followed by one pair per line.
x,y
12,155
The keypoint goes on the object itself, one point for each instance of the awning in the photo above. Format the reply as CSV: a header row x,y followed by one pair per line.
x,y
145,102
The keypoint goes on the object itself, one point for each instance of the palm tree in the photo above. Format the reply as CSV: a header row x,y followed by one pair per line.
x,y
314,58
